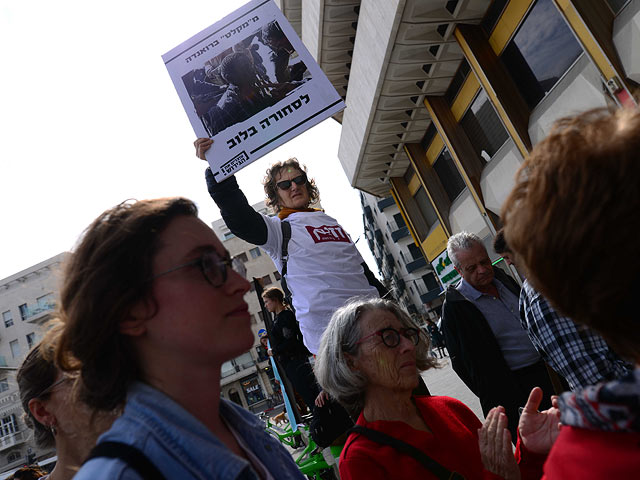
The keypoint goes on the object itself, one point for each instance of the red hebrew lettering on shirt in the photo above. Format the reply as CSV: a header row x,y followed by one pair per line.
x,y
328,233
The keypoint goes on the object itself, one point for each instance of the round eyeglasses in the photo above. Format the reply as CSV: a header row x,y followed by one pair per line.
x,y
286,184
391,337
212,267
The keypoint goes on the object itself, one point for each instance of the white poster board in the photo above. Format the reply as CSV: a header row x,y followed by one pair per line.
x,y
443,267
249,83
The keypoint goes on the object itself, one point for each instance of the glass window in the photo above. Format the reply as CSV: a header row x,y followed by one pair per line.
x,y
448,174
415,252
399,220
45,301
457,81
15,348
8,425
24,311
430,281
483,127
228,235
493,15
266,280
4,385
242,256
540,52
227,369
252,390
277,276
8,318
428,136
617,5
255,252
428,215
31,339
408,175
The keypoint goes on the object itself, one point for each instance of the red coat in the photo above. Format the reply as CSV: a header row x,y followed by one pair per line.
x,y
453,442
593,454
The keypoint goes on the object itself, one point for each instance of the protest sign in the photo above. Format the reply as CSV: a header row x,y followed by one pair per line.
x,y
248,82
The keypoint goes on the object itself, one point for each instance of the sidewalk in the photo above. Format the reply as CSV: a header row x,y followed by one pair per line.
x,y
444,381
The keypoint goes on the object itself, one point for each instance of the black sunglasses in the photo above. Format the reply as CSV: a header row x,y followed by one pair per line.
x,y
212,267
286,184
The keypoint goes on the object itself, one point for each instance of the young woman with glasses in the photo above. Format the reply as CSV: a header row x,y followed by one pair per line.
x,y
151,311
369,360
57,419
324,267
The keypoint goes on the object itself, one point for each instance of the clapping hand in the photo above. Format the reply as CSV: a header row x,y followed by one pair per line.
x,y
495,445
539,430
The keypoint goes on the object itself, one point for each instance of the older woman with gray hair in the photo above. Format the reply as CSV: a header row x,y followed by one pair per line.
x,y
369,360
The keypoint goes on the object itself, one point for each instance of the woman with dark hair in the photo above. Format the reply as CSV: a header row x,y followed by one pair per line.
x,y
56,418
324,268
151,311
287,347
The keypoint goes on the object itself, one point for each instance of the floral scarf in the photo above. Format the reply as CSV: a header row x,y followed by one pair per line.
x,y
613,406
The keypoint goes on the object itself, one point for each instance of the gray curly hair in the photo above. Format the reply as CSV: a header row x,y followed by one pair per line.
x,y
340,338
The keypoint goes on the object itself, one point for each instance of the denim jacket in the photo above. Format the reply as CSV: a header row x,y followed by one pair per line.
x,y
180,446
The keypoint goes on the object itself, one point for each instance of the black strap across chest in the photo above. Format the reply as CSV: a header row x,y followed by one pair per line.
x,y
429,463
130,455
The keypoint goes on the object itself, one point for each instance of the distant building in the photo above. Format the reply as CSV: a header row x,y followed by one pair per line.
x,y
400,262
27,302
248,379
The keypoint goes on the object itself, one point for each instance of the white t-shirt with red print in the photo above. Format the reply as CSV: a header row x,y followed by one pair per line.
x,y
324,269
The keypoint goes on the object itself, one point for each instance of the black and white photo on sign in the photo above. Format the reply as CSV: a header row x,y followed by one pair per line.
x,y
249,83
243,80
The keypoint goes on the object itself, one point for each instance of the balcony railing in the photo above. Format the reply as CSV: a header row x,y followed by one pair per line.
x,y
416,264
378,235
430,295
385,202
13,439
40,313
367,213
400,233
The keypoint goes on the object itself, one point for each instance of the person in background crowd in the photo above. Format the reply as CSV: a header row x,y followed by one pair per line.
x,y
56,418
324,268
437,340
574,351
288,348
488,347
369,359
151,310
584,176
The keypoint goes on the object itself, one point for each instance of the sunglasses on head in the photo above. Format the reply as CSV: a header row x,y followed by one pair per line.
x,y
286,184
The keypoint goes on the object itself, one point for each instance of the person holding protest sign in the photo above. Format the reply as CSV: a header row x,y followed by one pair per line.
x,y
323,266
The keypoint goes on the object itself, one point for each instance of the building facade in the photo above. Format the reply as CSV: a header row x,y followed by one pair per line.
x,y
27,302
248,379
446,98
400,262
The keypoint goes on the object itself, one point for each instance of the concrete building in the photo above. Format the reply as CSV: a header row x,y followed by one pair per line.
x,y
248,379
27,302
400,262
446,97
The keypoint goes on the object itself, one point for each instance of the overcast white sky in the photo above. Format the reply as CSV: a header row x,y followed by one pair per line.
x,y
89,117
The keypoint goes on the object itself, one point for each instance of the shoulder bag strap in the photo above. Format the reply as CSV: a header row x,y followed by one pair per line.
x,y
286,236
429,463
130,455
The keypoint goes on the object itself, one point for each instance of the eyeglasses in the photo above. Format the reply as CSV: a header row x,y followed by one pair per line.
x,y
286,184
391,337
213,268
50,388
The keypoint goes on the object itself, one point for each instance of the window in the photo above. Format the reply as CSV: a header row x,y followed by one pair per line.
x,y
255,252
242,256
448,174
8,425
457,81
399,220
228,368
428,136
8,318
4,385
31,339
415,252
540,52
228,235
408,175
428,215
430,281
617,5
483,127
254,319
15,348
266,280
493,15
277,276
24,311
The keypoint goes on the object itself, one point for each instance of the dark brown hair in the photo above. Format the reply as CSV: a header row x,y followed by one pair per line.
x,y
572,219
36,375
271,189
274,293
107,274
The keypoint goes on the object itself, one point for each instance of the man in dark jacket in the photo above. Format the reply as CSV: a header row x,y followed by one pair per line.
x,y
489,349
